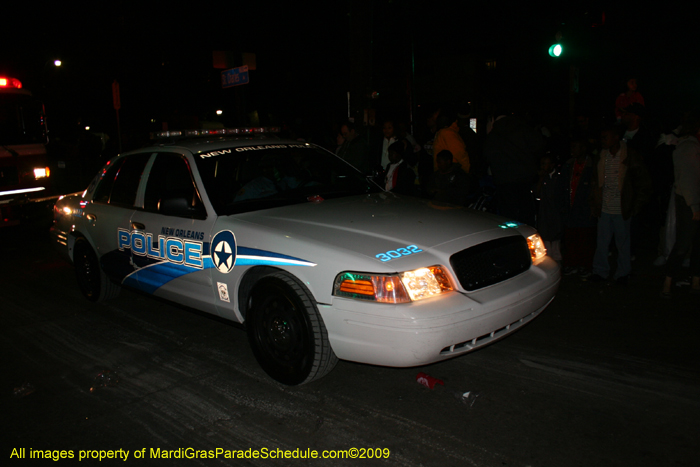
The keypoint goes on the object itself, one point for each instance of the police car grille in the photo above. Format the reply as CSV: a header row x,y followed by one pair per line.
x,y
8,176
491,262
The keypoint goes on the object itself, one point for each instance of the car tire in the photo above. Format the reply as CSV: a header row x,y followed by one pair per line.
x,y
286,331
92,280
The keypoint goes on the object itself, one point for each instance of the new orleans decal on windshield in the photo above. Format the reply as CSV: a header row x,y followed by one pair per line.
x,y
253,148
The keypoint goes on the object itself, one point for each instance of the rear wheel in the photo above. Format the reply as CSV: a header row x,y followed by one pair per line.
x,y
93,282
286,331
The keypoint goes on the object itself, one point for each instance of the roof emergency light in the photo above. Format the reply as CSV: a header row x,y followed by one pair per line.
x,y
10,83
217,132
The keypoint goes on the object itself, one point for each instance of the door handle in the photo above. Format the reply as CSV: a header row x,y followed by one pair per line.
x,y
137,226
91,217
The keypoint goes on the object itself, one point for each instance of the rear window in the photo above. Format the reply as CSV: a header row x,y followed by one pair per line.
x,y
119,185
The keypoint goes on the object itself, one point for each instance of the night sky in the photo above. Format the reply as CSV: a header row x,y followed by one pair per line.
x,y
162,57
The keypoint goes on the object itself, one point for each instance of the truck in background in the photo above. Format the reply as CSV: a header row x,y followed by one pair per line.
x,y
24,166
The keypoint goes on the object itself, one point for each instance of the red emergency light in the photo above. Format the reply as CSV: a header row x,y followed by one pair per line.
x,y
10,83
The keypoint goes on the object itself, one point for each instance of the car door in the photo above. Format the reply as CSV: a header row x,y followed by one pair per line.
x,y
169,231
109,212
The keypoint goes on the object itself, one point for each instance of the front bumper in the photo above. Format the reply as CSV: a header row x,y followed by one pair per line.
x,y
437,329
18,209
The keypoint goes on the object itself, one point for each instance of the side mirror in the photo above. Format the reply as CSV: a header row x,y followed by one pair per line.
x,y
180,207
173,206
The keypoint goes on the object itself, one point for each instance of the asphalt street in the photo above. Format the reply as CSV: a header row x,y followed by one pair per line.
x,y
606,376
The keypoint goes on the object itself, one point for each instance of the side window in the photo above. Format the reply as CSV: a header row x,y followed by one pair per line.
x,y
104,187
170,189
119,185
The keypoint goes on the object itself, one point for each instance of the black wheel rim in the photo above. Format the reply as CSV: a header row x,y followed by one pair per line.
x,y
281,334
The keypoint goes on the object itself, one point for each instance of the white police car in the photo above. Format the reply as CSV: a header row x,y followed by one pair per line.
x,y
318,262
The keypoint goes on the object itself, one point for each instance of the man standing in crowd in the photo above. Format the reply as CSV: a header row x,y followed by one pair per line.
x,y
513,149
621,186
448,138
354,149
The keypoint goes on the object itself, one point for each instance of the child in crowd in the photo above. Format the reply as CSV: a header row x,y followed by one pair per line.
x,y
449,184
579,225
399,178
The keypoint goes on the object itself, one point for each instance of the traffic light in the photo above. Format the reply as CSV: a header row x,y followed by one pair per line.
x,y
556,50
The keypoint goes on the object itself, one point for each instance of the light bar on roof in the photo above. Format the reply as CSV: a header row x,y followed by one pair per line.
x,y
10,83
215,132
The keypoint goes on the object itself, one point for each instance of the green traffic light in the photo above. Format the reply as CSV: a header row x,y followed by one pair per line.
x,y
555,50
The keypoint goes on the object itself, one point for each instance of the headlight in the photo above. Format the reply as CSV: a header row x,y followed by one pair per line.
x,y
41,172
536,246
393,288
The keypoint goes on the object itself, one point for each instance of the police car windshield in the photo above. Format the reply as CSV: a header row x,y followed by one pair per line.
x,y
251,178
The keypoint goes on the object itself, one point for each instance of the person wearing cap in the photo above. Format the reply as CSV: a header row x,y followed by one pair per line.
x,y
627,98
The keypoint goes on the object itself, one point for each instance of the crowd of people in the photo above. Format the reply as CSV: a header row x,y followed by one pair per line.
x,y
624,182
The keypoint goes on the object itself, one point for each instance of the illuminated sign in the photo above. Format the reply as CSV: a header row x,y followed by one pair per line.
x,y
234,77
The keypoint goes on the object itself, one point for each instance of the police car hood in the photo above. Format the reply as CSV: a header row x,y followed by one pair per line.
x,y
375,223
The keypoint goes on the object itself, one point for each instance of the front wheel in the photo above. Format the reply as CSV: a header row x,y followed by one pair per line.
x,y
93,282
286,331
